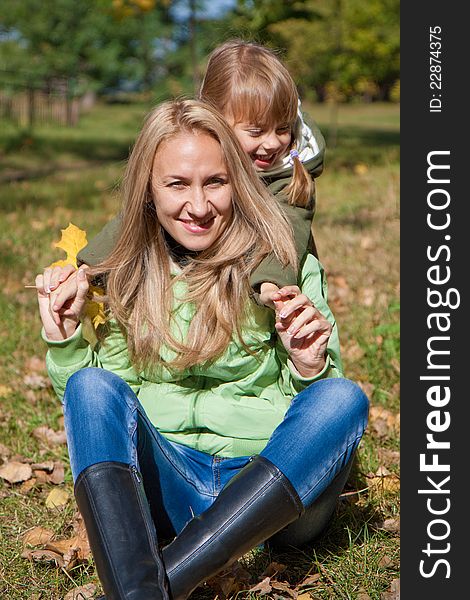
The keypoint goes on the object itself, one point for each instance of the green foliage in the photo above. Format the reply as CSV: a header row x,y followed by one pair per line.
x,y
335,50
83,41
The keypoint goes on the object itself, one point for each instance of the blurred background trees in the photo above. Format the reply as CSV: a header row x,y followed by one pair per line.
x,y
337,50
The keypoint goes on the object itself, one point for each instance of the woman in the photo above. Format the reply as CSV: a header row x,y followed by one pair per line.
x,y
210,421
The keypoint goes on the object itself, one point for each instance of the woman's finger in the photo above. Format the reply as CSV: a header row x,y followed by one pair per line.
x,y
293,305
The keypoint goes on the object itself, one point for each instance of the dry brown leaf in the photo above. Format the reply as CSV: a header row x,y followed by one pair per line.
x,y
382,421
41,477
381,484
230,581
27,486
15,472
5,391
37,536
49,436
263,587
4,451
283,586
44,466
353,351
35,363
44,556
273,568
310,580
386,562
36,381
392,525
363,595
367,296
84,592
58,474
304,596
391,457
57,498
393,593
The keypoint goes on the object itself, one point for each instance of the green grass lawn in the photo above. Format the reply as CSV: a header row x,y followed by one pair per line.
x,y
58,175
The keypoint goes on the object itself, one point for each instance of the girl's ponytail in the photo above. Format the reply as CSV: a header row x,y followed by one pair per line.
x,y
300,190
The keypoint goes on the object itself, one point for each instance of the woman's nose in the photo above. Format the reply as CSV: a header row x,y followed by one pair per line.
x,y
198,205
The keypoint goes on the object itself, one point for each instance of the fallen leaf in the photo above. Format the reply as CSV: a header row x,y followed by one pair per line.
x,y
44,466
15,472
393,593
49,436
44,556
84,592
386,562
57,498
58,474
27,486
273,568
382,421
284,587
5,391
230,581
37,381
311,579
392,525
263,587
363,595
37,536
4,451
35,363
383,484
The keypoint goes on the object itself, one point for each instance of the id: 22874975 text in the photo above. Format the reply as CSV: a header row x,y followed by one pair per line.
x,y
435,69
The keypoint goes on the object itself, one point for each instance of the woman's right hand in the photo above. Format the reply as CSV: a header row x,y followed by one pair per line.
x,y
61,307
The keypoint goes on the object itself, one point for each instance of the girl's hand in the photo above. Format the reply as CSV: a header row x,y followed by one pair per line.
x,y
61,309
266,292
303,330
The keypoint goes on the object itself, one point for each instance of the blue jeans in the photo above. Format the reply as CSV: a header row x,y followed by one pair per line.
x,y
313,447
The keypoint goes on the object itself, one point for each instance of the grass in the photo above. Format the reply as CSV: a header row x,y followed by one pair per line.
x,y
56,175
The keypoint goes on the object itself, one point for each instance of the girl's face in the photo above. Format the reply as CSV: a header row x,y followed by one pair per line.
x,y
266,146
192,190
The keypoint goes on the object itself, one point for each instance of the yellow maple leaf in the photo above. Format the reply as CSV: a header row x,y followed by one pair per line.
x,y
72,241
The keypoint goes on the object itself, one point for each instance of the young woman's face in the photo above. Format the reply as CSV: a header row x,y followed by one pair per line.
x,y
192,190
265,146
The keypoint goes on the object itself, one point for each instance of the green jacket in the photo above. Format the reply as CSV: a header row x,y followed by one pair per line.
x,y
269,270
229,408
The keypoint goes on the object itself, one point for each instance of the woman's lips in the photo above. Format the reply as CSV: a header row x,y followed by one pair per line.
x,y
197,227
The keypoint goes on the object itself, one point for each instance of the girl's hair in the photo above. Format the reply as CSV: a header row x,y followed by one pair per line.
x,y
247,82
140,285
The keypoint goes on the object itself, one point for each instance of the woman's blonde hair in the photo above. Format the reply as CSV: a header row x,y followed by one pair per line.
x,y
248,82
140,285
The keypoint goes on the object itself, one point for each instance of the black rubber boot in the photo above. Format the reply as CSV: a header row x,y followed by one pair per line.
x,y
111,499
255,504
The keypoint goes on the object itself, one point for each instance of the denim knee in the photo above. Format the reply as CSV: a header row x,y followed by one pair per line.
x,y
92,390
340,397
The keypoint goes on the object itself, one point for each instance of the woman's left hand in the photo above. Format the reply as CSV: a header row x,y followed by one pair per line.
x,y
302,328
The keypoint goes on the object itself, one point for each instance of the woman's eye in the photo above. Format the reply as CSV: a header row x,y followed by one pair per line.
x,y
255,132
176,185
216,182
285,129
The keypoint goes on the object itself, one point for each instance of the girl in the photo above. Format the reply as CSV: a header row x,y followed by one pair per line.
x,y
254,91
209,421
